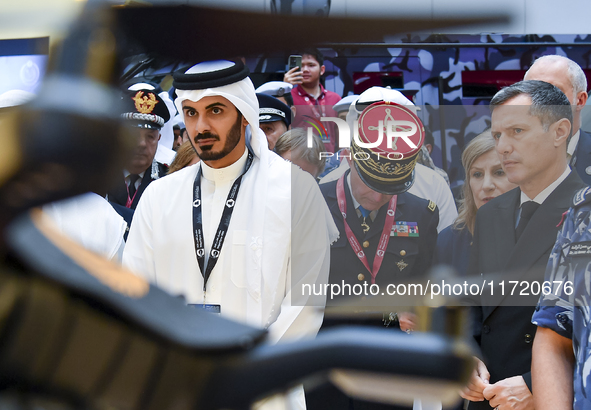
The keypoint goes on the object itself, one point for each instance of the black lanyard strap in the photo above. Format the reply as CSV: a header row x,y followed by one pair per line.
x,y
220,235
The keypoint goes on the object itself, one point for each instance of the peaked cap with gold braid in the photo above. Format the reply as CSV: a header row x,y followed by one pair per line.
x,y
144,109
386,163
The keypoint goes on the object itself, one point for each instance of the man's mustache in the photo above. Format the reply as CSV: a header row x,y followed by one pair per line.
x,y
206,135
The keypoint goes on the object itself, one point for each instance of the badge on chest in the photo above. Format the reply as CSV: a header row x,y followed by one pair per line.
x,y
403,228
580,249
208,308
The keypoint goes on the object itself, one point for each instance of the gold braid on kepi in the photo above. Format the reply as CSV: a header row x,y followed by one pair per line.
x,y
386,147
395,171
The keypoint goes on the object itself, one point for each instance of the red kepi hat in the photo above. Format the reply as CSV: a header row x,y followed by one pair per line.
x,y
385,151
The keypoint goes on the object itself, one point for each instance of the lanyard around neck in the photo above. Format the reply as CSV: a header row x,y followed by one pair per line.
x,y
384,238
222,230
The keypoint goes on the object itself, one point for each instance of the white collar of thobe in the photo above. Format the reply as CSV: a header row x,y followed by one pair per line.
x,y
229,173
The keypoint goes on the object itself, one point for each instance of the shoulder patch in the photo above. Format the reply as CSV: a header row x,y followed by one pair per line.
x,y
582,196
431,207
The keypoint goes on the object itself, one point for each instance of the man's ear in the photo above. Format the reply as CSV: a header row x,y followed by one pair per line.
x,y
159,135
244,122
322,69
581,100
562,131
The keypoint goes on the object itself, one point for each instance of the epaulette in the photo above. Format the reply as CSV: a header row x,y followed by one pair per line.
x,y
582,197
431,207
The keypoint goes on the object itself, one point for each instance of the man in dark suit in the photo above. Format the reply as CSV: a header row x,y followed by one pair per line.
x,y
567,75
514,234
145,113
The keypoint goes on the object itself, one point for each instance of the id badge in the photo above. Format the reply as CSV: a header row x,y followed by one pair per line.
x,y
208,308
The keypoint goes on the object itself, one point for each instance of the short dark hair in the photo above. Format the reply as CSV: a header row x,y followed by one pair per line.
x,y
314,52
288,99
548,103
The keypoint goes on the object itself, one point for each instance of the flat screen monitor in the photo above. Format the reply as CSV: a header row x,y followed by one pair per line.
x,y
23,63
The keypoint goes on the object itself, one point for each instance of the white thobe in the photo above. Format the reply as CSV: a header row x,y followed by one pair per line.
x,y
276,242
91,221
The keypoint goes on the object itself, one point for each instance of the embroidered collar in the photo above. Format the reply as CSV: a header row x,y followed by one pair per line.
x,y
227,174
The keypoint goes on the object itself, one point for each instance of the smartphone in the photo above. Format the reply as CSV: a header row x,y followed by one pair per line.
x,y
295,61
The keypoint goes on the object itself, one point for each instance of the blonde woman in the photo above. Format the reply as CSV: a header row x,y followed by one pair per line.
x,y
485,180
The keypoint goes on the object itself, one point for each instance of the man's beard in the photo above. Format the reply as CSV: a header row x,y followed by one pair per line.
x,y
232,139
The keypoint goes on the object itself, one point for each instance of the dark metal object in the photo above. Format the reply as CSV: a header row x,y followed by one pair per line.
x,y
259,33
68,335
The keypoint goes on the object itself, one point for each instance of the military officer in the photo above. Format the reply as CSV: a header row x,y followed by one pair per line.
x,y
145,113
373,197
387,235
274,118
561,354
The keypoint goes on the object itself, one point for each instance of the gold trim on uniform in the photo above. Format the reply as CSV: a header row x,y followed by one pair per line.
x,y
392,167
431,206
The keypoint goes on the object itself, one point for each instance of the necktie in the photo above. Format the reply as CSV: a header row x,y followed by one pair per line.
x,y
365,214
131,188
527,210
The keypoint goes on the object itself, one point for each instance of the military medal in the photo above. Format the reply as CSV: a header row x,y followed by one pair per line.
x,y
408,229
365,226
365,213
401,264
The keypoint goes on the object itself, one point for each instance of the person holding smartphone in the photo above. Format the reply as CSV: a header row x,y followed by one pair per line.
x,y
309,96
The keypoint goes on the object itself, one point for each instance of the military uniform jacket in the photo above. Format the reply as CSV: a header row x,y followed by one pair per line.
x,y
118,195
582,160
504,331
564,307
404,257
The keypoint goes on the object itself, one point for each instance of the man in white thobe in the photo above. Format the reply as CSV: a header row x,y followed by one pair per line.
x,y
274,239
277,236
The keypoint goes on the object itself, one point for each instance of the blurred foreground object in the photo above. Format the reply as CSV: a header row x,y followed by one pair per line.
x,y
85,332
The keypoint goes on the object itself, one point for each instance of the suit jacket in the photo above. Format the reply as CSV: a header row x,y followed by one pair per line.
x,y
504,331
118,195
583,157
404,256
453,249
